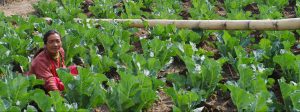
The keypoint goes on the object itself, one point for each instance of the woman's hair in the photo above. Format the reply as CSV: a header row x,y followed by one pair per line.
x,y
47,34
45,39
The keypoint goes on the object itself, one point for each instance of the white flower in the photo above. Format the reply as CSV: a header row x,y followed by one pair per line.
x,y
76,45
253,67
52,109
139,65
147,72
197,68
68,106
293,83
200,109
71,86
181,47
202,58
169,45
243,65
18,102
77,78
261,67
269,100
7,53
282,51
193,46
151,54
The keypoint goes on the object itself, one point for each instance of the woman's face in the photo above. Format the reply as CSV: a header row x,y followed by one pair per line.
x,y
53,44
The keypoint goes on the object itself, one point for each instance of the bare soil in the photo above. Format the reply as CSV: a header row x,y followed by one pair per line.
x,y
18,7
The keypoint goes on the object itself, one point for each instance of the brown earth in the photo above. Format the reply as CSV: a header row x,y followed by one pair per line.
x,y
18,7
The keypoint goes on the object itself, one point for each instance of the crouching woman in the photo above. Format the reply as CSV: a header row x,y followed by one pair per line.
x,y
47,60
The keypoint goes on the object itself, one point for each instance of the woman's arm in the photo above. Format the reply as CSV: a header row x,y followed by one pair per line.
x,y
42,71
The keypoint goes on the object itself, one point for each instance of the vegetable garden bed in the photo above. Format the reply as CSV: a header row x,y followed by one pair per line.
x,y
158,67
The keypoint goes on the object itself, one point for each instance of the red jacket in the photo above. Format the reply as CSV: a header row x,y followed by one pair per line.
x,y
45,67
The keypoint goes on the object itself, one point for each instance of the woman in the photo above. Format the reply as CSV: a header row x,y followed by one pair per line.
x,y
47,60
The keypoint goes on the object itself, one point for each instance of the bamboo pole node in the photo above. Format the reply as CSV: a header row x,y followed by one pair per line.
x,y
225,25
248,24
276,24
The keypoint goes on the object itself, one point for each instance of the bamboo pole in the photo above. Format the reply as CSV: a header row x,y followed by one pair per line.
x,y
280,24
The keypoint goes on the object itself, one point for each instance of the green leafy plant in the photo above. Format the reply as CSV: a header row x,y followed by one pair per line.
x,y
184,100
132,93
16,90
82,89
196,86
252,86
102,9
290,93
203,9
289,64
105,45
46,8
133,9
166,9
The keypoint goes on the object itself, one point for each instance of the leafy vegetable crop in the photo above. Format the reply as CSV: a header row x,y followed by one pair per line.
x,y
123,68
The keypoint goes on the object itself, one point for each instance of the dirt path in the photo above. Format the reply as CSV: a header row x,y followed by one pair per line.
x,y
19,7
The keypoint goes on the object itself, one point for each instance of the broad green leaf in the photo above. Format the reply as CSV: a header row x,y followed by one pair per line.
x,y
4,88
183,99
289,65
285,60
147,98
188,50
64,76
262,94
246,75
154,66
13,109
179,81
176,109
183,35
2,105
83,110
290,94
229,40
43,101
265,44
98,97
31,108
156,83
189,62
33,81
18,90
58,101
194,37
295,96
241,98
